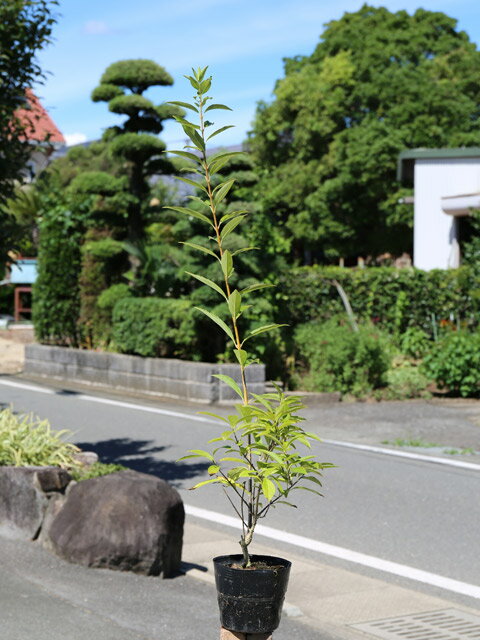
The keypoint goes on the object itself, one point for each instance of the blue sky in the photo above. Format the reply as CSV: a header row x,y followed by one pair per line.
x,y
242,41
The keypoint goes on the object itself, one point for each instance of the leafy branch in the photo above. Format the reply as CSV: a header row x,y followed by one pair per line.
x,y
257,458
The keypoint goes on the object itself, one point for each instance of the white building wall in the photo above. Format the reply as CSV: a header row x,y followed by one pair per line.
x,y
435,232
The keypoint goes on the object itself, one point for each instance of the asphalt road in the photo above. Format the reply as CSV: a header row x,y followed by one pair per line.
x,y
406,511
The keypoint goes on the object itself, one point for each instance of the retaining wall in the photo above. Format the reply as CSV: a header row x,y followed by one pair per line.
x,y
164,377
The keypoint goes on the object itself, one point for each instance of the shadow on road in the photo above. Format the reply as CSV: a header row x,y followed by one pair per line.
x,y
140,456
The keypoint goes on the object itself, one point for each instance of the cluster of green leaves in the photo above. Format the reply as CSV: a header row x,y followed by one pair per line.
x,y
454,363
337,358
265,432
394,299
261,441
95,470
377,83
28,441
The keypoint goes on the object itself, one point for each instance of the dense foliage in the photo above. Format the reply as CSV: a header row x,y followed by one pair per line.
x,y
154,327
377,83
25,28
56,301
394,299
454,363
26,440
337,358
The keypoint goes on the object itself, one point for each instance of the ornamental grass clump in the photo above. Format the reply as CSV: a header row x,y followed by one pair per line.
x,y
258,458
28,441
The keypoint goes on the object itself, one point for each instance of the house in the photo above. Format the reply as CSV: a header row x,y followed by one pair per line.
x,y
42,133
446,190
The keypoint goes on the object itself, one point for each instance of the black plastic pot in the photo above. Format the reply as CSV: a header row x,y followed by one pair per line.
x,y
250,600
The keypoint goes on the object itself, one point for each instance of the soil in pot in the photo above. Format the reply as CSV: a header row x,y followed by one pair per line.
x,y
250,600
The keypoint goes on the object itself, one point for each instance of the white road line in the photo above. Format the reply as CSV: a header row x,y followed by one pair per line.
x,y
27,387
189,416
405,454
404,571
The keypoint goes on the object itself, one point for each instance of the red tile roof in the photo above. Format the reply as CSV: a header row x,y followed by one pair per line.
x,y
38,124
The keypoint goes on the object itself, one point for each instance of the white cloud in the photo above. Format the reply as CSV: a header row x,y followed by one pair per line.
x,y
74,138
96,28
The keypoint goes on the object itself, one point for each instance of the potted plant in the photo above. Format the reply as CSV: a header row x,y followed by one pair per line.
x,y
257,458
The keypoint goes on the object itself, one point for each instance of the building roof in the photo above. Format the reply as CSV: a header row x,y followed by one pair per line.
x,y
39,127
406,159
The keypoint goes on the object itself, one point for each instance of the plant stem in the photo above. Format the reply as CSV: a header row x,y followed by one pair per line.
x,y
245,540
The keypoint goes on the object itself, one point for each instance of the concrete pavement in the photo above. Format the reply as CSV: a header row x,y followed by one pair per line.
x,y
44,597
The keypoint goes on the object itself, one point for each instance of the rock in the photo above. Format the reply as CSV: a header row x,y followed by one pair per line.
x,y
22,502
55,503
52,478
127,520
86,458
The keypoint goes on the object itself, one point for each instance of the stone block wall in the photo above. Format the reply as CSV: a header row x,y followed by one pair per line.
x,y
164,377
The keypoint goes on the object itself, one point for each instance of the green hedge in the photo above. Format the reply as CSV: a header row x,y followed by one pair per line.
x,y
154,327
395,299
56,299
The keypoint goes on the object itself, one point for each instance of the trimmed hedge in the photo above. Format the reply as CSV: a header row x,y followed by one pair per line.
x,y
154,327
56,299
394,299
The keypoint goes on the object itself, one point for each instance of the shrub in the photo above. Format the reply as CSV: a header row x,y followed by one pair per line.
x,y
415,343
454,363
154,327
340,359
405,381
25,440
56,300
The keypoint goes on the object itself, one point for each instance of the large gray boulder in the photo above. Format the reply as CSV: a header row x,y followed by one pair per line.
x,y
127,520
24,497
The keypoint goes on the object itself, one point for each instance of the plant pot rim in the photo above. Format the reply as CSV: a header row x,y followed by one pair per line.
x,y
228,559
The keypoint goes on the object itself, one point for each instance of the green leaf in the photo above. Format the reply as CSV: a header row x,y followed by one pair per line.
x,y
218,321
235,253
220,192
193,82
200,453
202,484
200,248
195,137
209,283
197,185
268,489
230,226
216,165
186,123
191,212
185,154
231,383
264,329
233,214
234,303
227,263
213,469
217,106
241,356
255,287
221,130
205,86
187,105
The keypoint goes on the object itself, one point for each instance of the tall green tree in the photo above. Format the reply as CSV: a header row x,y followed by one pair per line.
x,y
25,28
377,83
135,142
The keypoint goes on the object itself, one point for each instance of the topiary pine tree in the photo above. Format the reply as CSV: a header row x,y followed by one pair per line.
x,y
135,142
